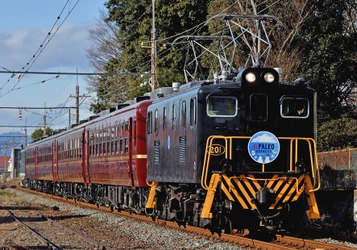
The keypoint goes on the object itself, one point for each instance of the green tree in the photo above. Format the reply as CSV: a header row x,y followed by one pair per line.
x,y
38,133
134,19
337,134
330,64
317,41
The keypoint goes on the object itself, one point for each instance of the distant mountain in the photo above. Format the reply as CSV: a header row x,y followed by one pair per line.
x,y
12,139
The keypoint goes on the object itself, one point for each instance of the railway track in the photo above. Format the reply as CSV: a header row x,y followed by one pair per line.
x,y
281,242
51,234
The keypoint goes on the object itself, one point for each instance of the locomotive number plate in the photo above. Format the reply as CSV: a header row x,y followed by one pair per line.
x,y
217,150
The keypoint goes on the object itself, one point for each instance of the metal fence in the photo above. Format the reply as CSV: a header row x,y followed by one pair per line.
x,y
338,169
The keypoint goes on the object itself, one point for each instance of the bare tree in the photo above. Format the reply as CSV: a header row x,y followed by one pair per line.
x,y
351,17
105,47
286,52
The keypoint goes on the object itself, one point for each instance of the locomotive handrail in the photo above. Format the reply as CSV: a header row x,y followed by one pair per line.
x,y
207,157
313,159
315,173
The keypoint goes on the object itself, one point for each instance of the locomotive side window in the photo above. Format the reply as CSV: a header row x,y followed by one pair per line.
x,y
173,116
291,107
193,111
183,113
164,118
149,123
156,121
222,106
258,107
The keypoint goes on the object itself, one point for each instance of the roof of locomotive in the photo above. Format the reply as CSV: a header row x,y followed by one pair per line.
x,y
194,86
227,83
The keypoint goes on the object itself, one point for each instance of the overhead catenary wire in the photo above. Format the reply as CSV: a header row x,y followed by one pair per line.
x,y
25,70
42,46
29,85
197,27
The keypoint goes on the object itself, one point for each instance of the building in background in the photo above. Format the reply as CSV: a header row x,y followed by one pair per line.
x,y
4,163
15,162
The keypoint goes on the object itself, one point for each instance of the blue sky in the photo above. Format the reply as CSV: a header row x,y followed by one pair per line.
x,y
24,26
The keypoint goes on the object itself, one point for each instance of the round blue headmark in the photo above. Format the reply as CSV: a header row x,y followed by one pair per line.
x,y
263,147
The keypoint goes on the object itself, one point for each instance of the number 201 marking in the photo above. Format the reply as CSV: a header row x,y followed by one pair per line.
x,y
217,149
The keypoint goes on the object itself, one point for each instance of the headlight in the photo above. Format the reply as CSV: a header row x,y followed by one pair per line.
x,y
250,77
269,77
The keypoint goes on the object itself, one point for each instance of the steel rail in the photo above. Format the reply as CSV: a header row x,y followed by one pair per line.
x,y
282,242
70,230
48,243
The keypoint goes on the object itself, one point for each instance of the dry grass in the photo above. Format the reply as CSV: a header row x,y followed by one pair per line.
x,y
5,197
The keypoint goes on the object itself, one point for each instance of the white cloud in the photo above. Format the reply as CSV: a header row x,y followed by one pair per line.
x,y
64,53
67,48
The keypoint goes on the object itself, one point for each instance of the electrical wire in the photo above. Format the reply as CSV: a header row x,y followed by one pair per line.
x,y
29,85
42,46
144,64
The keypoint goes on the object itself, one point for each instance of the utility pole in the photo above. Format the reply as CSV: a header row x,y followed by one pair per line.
x,y
153,50
77,104
44,121
25,139
77,100
69,117
153,78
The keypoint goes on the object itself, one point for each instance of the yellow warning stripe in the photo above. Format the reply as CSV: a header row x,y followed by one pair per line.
x,y
243,189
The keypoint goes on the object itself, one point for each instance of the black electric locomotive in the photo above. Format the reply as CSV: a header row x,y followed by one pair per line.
x,y
234,153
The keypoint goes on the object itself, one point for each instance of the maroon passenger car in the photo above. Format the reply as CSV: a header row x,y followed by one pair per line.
x,y
95,157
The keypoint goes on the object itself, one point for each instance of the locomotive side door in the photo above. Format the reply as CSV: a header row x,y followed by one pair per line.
x,y
55,161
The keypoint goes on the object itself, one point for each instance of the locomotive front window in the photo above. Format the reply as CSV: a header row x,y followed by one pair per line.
x,y
222,106
258,107
292,107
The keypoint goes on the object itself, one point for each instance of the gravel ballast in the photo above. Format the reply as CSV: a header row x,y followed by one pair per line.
x,y
112,230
